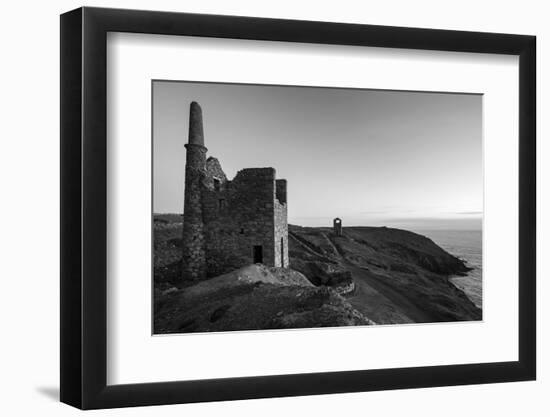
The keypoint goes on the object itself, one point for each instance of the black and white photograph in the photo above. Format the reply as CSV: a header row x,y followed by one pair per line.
x,y
270,209
285,207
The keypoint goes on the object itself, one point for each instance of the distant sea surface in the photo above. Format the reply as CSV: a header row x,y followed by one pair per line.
x,y
466,245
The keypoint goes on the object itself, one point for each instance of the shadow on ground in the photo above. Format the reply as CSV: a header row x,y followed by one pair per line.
x,y
50,392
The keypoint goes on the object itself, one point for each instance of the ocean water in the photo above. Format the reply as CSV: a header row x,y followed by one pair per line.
x,y
466,245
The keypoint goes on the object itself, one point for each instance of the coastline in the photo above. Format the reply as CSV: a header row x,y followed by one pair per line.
x,y
466,245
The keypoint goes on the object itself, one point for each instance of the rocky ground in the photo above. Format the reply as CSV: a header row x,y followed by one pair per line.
x,y
252,298
367,276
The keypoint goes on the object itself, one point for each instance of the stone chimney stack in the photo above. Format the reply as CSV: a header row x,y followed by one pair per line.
x,y
337,224
193,240
196,134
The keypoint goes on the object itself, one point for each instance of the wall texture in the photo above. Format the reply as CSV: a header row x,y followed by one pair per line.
x,y
241,214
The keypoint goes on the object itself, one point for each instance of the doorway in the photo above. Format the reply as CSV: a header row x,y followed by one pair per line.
x,y
258,254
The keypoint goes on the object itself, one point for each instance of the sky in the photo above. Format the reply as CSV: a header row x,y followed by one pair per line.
x,y
371,157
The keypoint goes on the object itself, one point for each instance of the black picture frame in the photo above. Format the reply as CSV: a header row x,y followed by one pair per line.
x,y
84,207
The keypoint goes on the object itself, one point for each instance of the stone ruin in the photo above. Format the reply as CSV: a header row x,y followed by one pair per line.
x,y
228,224
337,225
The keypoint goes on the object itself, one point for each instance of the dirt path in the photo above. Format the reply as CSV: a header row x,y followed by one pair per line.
x,y
305,247
335,248
374,297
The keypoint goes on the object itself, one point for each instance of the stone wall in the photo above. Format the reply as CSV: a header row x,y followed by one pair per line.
x,y
214,172
226,219
193,242
281,225
281,234
280,191
239,217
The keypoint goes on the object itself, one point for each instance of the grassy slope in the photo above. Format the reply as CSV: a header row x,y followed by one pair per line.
x,y
399,276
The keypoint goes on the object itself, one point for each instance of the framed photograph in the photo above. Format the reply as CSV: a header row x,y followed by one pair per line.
x,y
256,208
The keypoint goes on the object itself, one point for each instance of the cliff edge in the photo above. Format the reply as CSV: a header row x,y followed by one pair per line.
x,y
399,276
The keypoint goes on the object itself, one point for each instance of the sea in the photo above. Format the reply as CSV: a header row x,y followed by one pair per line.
x,y
466,245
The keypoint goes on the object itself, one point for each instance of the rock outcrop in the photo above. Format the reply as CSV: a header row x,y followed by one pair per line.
x,y
253,298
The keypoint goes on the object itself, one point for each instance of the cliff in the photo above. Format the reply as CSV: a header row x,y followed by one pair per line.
x,y
399,276
366,276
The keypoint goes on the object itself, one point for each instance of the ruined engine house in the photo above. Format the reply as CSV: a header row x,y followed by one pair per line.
x,y
229,223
